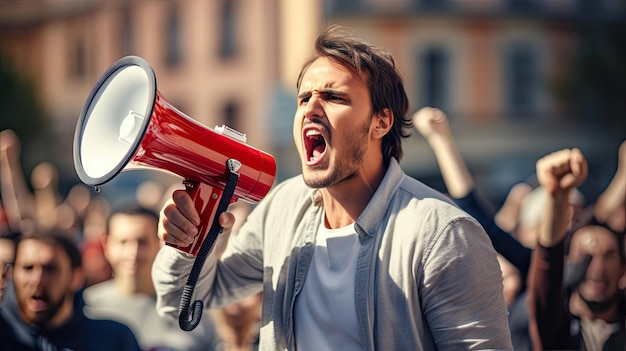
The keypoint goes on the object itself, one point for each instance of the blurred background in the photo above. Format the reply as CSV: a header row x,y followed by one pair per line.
x,y
517,78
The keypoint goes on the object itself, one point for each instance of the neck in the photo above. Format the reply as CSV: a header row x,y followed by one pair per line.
x,y
131,286
344,202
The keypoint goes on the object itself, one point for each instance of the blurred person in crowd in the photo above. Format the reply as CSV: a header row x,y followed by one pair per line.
x,y
43,208
17,200
45,182
610,207
531,214
352,254
575,301
507,216
78,199
96,268
39,310
130,245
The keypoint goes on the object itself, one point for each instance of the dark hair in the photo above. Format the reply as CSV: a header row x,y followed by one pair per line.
x,y
384,80
587,219
134,210
11,235
56,237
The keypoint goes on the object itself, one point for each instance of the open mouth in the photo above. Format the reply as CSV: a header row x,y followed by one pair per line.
x,y
39,303
314,145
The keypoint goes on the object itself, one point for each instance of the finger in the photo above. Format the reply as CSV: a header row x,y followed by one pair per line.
x,y
227,220
174,227
579,164
422,113
437,116
185,205
551,168
172,234
178,220
578,170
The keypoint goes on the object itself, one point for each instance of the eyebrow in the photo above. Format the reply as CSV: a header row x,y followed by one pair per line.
x,y
322,91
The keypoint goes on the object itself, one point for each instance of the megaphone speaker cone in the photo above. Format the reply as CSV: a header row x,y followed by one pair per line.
x,y
113,120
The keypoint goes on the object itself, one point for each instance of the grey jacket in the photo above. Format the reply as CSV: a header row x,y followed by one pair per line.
x,y
427,277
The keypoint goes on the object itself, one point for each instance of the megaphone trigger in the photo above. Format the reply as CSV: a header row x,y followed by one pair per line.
x,y
205,198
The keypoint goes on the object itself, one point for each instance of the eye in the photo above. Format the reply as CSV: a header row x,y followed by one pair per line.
x,y
329,96
304,100
50,268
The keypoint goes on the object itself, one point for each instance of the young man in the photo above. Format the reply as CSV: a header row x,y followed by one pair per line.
x,y
40,311
353,254
130,246
576,302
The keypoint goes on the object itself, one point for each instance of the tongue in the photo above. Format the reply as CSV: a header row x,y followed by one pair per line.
x,y
317,151
39,304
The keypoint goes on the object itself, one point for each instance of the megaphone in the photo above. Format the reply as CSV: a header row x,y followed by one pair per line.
x,y
126,124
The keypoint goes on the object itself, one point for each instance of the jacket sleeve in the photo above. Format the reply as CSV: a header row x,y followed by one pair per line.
x,y
462,296
237,273
504,243
549,319
170,270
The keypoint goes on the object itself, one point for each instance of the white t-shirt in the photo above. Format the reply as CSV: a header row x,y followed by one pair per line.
x,y
325,315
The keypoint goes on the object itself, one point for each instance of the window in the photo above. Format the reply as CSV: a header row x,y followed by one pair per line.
x,y
127,32
433,78
173,54
231,115
78,62
521,80
228,40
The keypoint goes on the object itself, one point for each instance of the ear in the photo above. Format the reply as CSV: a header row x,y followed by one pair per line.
x,y
104,241
78,279
382,123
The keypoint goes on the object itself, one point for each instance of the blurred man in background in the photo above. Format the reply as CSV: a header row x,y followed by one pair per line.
x,y
39,311
130,246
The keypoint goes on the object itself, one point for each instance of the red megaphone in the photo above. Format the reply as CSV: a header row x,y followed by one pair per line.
x,y
126,124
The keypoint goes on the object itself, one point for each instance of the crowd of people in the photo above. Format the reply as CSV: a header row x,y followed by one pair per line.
x,y
352,254
76,271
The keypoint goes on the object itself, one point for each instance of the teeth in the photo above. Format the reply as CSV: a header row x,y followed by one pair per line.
x,y
312,133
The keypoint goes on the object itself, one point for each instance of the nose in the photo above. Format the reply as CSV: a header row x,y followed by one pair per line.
x,y
131,249
37,275
313,108
595,267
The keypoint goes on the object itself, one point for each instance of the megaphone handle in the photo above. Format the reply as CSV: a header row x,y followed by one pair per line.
x,y
189,321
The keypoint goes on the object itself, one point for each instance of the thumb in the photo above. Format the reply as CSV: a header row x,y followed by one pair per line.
x,y
578,170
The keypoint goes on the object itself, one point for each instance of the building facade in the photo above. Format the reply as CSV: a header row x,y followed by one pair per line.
x,y
492,65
